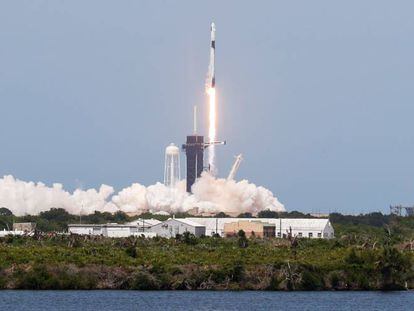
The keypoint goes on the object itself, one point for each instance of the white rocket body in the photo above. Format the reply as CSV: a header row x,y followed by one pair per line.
x,y
212,74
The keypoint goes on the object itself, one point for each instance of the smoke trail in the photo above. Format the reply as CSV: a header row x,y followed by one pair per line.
x,y
211,195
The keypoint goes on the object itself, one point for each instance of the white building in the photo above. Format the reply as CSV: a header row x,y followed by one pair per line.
x,y
4,232
144,224
20,228
173,226
108,230
301,227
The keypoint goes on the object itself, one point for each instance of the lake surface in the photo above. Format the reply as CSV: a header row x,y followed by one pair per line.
x,y
203,300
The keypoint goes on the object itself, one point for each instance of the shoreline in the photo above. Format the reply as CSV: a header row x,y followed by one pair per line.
x,y
75,262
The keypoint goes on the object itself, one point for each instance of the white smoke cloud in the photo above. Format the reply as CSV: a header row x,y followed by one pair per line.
x,y
210,195
29,198
132,199
233,197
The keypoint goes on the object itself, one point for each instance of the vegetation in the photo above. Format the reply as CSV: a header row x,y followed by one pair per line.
x,y
370,252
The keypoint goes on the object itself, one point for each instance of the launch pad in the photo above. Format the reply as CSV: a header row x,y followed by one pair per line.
x,y
194,151
195,145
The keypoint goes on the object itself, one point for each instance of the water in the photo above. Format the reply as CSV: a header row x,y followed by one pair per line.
x,y
203,300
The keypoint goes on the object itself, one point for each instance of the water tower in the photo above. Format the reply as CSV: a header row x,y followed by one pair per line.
x,y
172,166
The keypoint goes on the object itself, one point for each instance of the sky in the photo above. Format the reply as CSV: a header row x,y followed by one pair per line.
x,y
316,95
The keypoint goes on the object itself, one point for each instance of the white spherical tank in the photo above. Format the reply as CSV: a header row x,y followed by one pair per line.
x,y
172,149
172,166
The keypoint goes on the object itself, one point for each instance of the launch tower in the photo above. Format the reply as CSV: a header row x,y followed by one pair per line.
x,y
194,151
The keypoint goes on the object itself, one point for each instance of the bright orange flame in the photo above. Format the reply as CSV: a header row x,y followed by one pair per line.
x,y
212,114
212,127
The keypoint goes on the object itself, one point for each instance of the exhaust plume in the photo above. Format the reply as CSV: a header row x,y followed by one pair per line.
x,y
210,195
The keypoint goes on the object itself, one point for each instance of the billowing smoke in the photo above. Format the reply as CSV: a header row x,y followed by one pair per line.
x,y
29,198
210,195
232,197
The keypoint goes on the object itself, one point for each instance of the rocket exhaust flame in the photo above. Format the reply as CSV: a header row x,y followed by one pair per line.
x,y
212,129
211,91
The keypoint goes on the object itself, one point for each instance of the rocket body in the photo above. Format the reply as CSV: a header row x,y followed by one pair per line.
x,y
212,77
211,91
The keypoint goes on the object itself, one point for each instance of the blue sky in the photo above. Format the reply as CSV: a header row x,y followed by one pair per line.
x,y
317,95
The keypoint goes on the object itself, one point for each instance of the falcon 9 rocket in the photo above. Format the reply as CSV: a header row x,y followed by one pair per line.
x,y
211,91
212,76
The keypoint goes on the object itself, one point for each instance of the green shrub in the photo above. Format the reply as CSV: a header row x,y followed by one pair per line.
x,y
143,281
311,280
274,283
242,240
3,280
353,258
132,251
393,266
237,271
334,280
40,277
187,238
36,278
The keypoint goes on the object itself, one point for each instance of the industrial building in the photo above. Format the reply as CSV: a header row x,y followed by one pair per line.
x,y
398,210
144,224
251,228
24,226
20,228
225,227
301,227
5,232
108,230
171,227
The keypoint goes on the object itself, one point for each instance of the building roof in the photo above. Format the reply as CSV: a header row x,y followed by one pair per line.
x,y
305,223
188,221
252,220
147,222
294,223
100,225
